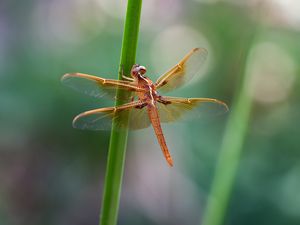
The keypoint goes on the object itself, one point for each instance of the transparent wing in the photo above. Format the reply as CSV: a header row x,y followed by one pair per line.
x,y
183,71
96,86
101,119
177,109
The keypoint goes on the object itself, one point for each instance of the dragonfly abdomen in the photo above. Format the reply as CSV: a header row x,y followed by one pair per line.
x,y
155,121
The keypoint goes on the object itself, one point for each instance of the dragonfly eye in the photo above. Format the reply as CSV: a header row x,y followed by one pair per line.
x,y
142,69
135,70
138,70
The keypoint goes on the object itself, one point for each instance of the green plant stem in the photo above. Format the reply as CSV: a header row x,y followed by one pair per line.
x,y
229,156
118,139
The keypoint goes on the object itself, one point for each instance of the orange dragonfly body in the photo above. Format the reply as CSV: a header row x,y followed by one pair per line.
x,y
150,107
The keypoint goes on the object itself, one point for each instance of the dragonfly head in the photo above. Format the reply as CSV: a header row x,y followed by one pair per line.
x,y
138,70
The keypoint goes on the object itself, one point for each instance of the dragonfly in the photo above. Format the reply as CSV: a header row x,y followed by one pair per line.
x,y
146,106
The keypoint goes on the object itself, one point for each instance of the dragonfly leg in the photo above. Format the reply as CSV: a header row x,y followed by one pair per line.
x,y
132,98
124,76
127,78
141,105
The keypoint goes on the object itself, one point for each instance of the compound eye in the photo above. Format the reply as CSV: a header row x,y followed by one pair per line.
x,y
142,69
135,69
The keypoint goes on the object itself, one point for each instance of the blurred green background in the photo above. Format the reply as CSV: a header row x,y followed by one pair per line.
x,y
51,173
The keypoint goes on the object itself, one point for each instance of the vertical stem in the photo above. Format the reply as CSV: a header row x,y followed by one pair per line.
x,y
118,139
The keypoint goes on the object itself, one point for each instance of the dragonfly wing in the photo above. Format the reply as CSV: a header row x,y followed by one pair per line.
x,y
183,71
139,119
177,109
101,119
96,86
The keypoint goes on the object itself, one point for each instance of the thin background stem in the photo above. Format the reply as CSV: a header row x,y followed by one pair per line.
x,y
118,139
230,152
234,137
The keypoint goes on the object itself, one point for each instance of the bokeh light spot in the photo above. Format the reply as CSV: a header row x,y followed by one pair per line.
x,y
67,23
272,73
